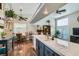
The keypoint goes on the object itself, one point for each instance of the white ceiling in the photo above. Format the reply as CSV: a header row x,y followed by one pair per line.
x,y
28,8
51,7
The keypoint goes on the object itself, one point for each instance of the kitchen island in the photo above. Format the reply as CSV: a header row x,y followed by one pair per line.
x,y
8,42
48,47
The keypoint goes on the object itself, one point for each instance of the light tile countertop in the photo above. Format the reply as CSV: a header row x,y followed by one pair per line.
x,y
71,50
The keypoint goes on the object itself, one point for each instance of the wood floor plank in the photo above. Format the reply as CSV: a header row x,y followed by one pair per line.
x,y
23,49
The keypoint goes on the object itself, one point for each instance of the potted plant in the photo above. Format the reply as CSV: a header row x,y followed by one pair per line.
x,y
3,34
10,13
57,33
48,21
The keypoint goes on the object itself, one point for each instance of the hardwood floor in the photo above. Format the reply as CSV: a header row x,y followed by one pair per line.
x,y
23,49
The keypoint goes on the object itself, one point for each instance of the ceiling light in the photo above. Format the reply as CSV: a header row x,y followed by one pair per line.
x,y
46,11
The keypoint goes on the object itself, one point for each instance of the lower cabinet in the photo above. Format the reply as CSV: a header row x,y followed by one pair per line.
x,y
43,50
74,39
39,48
49,52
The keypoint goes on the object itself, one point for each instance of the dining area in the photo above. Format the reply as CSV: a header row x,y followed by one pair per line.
x,y
23,45
15,36
21,37
10,45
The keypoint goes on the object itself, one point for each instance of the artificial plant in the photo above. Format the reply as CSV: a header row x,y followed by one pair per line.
x,y
9,13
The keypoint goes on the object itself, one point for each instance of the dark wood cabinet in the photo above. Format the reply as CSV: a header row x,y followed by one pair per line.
x,y
74,39
46,29
43,50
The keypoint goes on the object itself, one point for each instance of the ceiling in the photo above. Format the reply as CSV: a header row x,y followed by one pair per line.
x,y
51,7
28,9
70,8
34,11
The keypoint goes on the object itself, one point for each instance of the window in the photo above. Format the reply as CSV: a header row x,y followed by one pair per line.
x,y
62,22
19,27
62,27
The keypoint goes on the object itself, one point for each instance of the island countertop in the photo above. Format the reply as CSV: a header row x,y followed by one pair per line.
x,y
71,50
6,37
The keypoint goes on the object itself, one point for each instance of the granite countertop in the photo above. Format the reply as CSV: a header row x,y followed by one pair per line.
x,y
71,50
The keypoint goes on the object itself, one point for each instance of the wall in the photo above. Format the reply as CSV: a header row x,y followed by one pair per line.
x,y
24,26
73,21
72,12
52,22
2,11
70,8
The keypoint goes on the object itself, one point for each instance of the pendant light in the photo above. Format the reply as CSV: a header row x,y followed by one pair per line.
x,y
46,10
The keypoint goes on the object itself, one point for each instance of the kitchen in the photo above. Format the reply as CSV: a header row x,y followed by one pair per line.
x,y
49,29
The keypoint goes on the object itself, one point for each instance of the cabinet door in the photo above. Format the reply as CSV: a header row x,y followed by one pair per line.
x,y
55,54
37,47
74,39
41,49
48,52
